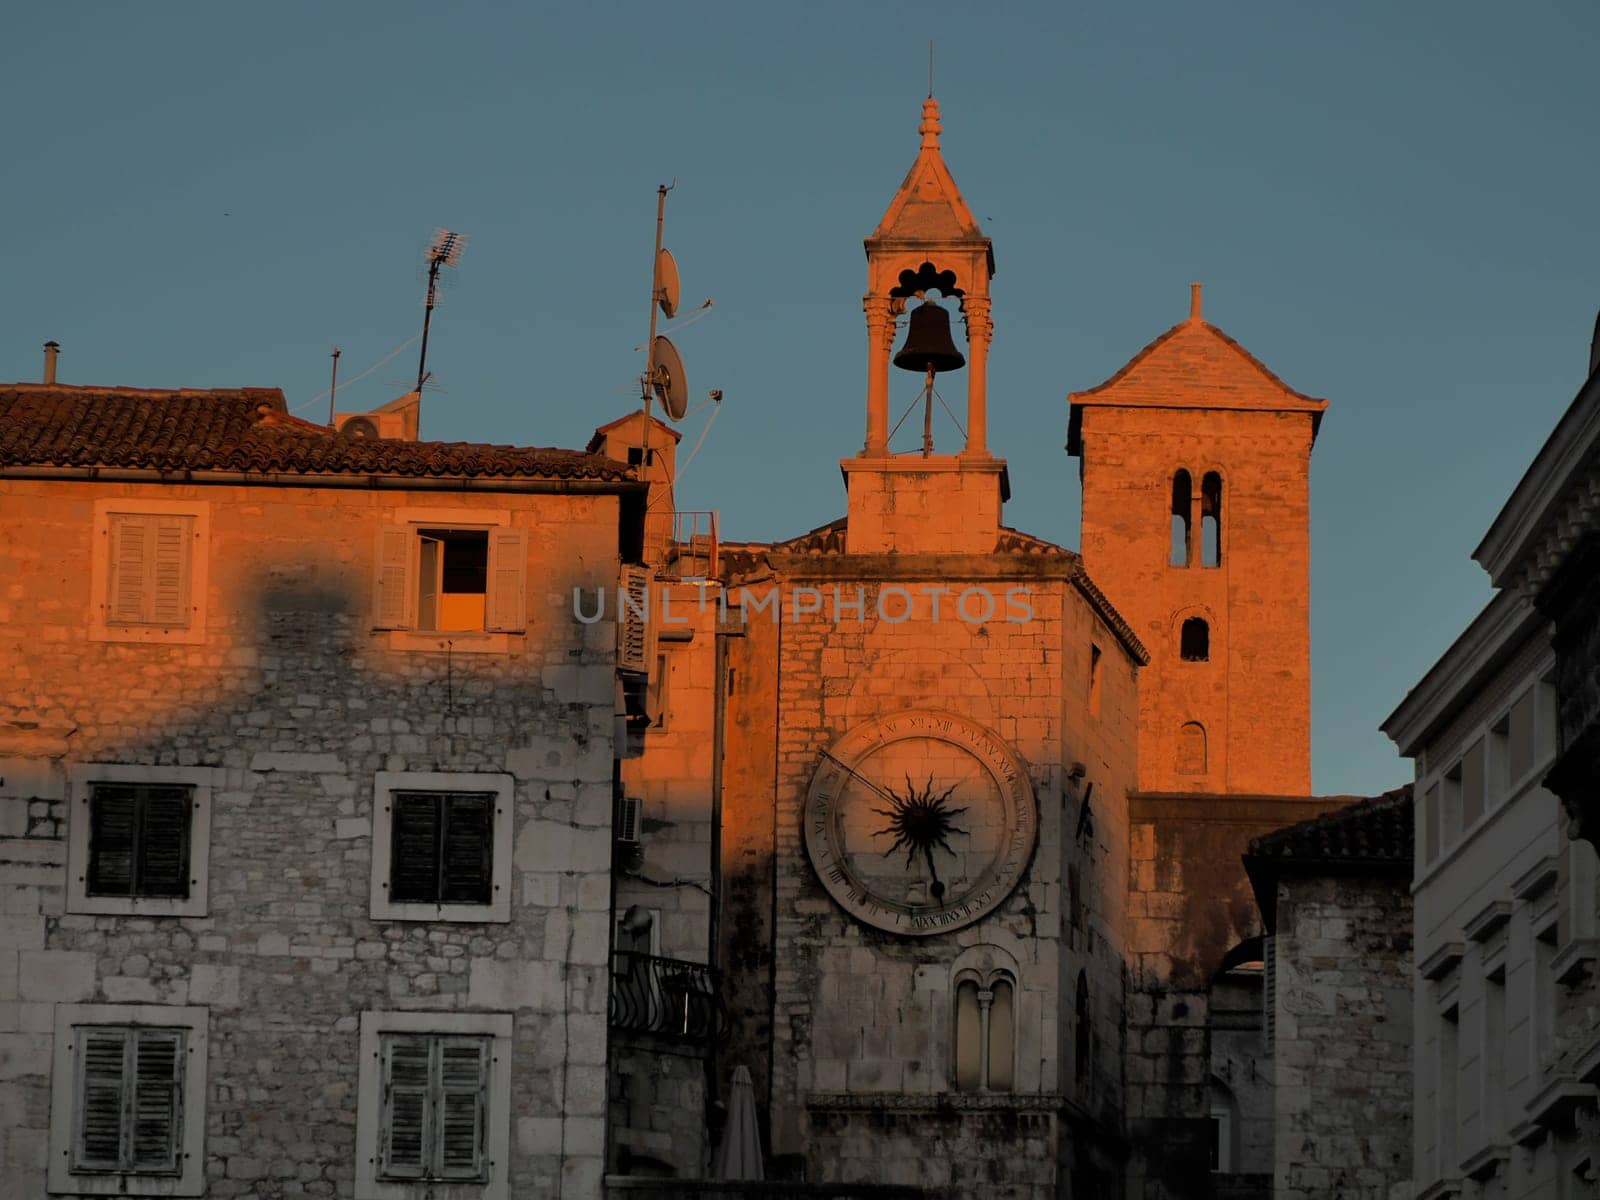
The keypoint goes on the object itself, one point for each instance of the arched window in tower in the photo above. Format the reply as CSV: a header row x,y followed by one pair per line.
x,y
1192,749
1182,501
1194,641
986,1033
1082,1037
1211,520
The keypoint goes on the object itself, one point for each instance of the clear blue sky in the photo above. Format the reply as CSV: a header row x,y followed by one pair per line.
x,y
1392,205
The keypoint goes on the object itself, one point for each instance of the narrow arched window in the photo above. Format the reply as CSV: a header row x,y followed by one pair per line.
x,y
1182,501
969,1032
1194,642
1211,520
1002,1036
1192,749
1082,1034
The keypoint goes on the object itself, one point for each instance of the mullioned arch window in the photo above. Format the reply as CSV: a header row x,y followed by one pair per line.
x,y
1194,514
986,1033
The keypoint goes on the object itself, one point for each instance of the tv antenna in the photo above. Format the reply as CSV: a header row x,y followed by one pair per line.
x,y
663,377
445,251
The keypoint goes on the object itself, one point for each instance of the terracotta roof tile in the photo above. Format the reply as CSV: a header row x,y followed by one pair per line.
x,y
246,430
1378,830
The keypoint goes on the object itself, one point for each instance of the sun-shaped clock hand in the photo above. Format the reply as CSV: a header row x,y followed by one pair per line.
x,y
919,821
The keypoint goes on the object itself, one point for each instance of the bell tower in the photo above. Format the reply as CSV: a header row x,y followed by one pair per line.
x,y
927,242
1195,463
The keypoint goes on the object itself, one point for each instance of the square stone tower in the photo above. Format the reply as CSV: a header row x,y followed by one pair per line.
x,y
1195,461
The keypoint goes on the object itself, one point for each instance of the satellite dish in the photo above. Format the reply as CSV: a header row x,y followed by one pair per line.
x,y
667,289
668,379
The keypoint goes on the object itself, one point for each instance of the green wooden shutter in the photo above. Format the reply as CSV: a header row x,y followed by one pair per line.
x,y
463,1078
467,850
129,600
163,861
394,580
157,1106
1269,990
113,824
101,1058
172,542
406,1079
506,605
414,855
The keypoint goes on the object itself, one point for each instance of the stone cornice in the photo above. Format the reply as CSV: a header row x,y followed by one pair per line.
x,y
938,1102
1492,637
1523,545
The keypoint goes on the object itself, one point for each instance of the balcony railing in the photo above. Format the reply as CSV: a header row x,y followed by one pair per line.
x,y
682,544
667,997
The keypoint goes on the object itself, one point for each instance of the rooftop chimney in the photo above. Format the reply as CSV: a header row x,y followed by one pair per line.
x,y
51,349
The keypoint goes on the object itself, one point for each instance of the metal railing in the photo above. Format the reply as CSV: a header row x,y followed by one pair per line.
x,y
668,997
683,544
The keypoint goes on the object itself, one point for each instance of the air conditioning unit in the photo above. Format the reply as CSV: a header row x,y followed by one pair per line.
x,y
371,425
627,830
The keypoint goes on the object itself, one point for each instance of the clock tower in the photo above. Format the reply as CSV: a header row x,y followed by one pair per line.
x,y
931,720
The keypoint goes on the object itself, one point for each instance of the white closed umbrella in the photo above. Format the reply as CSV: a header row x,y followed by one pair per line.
x,y
739,1156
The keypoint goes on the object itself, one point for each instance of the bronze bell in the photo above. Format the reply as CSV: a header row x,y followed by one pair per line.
x,y
929,346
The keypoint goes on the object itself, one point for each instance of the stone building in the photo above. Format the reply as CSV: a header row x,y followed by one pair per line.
x,y
1195,466
1046,1001
305,803
1501,728
1335,903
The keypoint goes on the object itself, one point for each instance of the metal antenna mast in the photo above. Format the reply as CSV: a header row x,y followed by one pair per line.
x,y
444,252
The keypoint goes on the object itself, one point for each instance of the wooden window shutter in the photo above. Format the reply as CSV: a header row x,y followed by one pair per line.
x,y
467,850
113,833
506,606
414,855
463,1078
157,1109
171,551
635,631
406,1082
394,581
163,862
130,552
102,1057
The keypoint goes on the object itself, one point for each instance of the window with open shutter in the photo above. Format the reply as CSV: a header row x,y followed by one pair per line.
x,y
442,848
506,607
393,587
130,1099
139,840
435,1099
149,575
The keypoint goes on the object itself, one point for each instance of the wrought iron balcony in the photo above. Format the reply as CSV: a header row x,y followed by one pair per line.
x,y
667,997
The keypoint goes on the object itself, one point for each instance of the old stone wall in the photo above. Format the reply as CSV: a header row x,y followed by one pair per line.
x,y
1342,1000
1253,694
860,1011
297,703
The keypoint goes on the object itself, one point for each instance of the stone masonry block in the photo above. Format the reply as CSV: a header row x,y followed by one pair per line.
x,y
61,975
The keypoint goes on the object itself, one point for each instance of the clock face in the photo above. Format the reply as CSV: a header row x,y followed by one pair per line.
x,y
920,822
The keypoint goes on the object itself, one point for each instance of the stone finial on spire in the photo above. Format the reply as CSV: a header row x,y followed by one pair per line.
x,y
930,127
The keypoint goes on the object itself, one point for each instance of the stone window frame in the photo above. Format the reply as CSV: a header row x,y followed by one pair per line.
x,y
498,1026
81,777
190,1181
985,964
503,786
455,641
101,629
